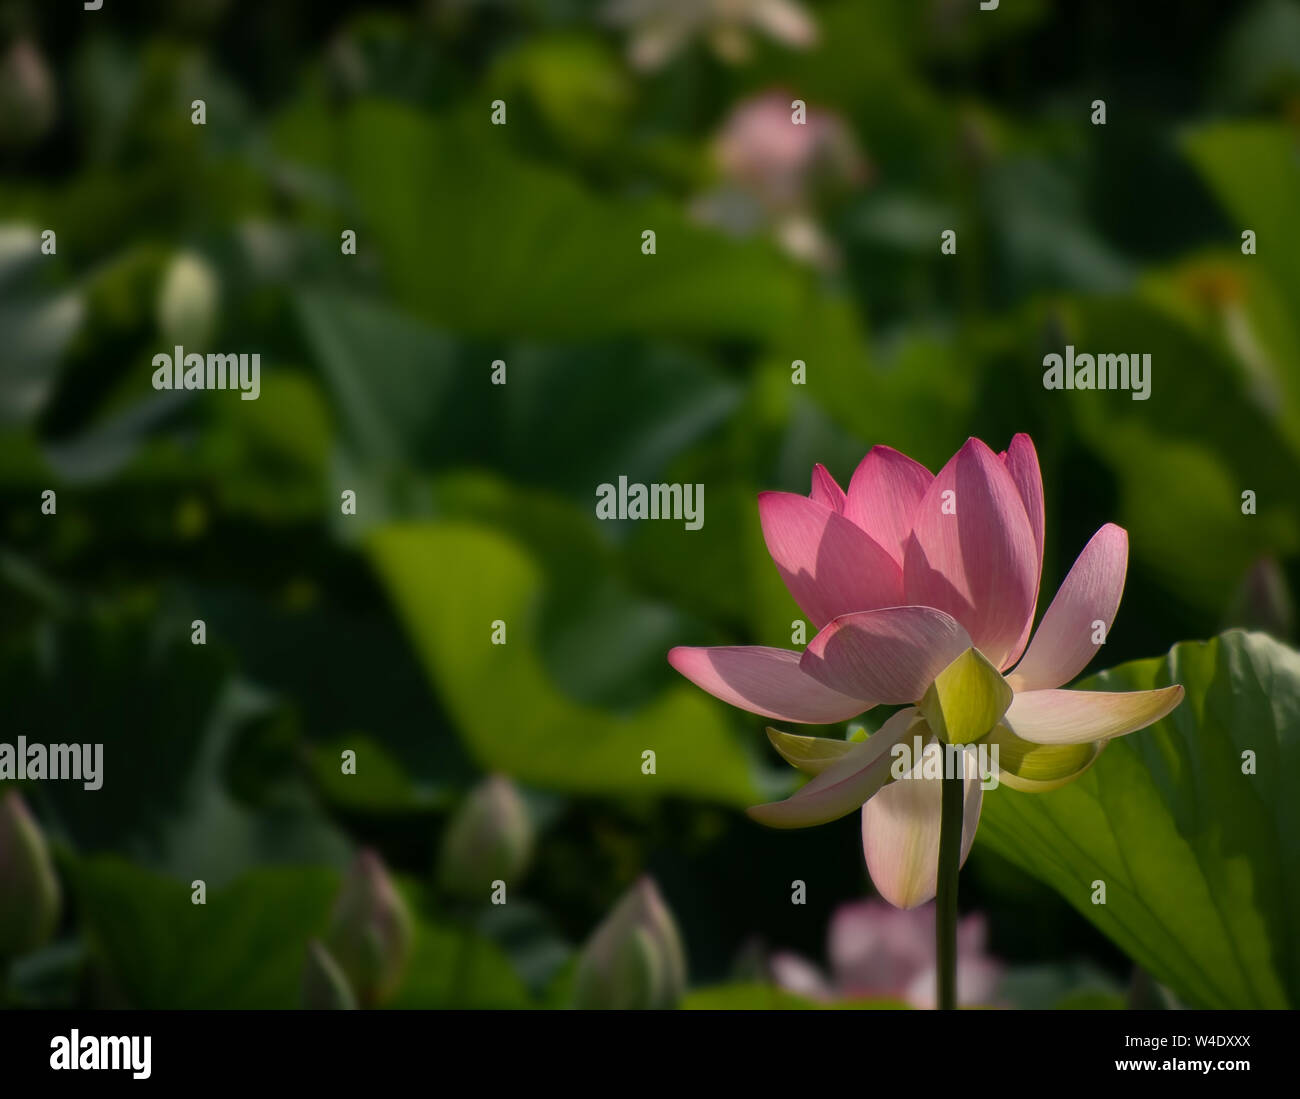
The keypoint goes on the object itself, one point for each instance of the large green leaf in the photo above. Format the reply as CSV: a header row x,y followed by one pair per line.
x,y
369,696
1183,458
453,963
600,637
757,996
408,393
1201,860
450,581
476,238
456,967
244,948
174,723
1254,170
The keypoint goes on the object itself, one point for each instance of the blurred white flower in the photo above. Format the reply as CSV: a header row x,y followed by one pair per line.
x,y
660,28
188,299
877,951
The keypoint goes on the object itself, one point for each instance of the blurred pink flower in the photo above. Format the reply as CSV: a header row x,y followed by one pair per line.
x,y
923,589
661,28
28,98
776,171
877,952
782,163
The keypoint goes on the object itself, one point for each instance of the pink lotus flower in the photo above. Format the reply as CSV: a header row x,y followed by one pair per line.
x,y
881,953
774,173
762,151
923,589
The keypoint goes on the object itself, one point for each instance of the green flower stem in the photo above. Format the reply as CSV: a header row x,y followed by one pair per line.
x,y
950,826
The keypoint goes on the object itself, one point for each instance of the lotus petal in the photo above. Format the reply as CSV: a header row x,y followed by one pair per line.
x,y
809,754
1088,598
894,652
765,681
1076,717
884,491
1037,768
845,785
900,830
826,490
830,565
972,552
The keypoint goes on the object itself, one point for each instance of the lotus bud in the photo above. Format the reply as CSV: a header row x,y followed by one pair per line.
x,y
30,898
371,931
1263,601
634,959
27,95
324,984
346,68
187,301
490,838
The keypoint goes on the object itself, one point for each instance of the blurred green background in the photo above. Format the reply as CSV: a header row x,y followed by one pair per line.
x,y
522,243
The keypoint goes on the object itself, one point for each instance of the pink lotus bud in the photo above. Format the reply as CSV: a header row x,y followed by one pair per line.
x,y
27,96
371,931
1263,600
30,898
634,959
324,984
490,838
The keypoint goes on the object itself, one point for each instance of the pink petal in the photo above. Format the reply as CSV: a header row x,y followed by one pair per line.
x,y
1021,460
979,562
884,491
826,490
1076,717
830,565
1022,463
978,981
972,934
800,976
843,786
876,950
900,833
1064,644
893,653
765,681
